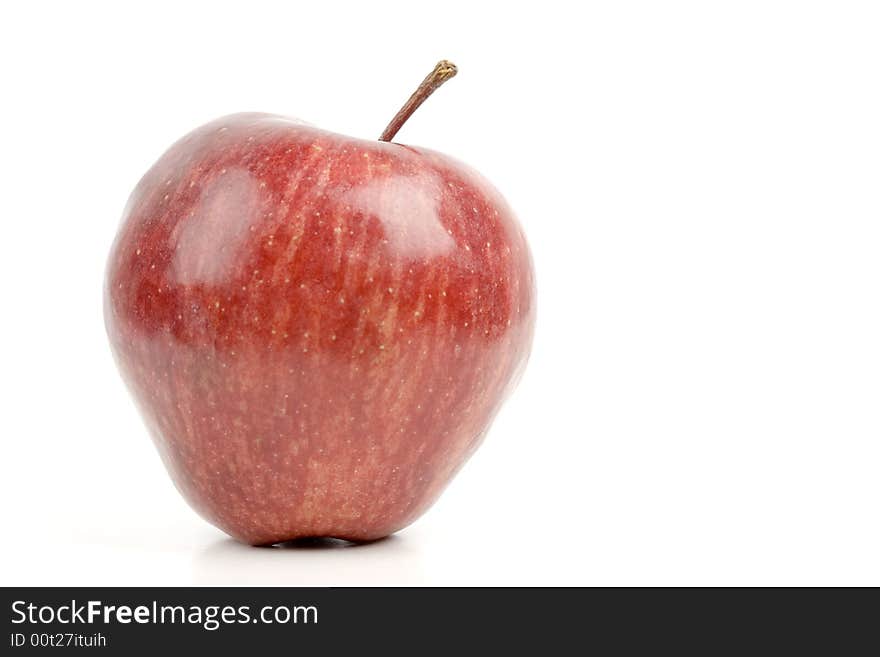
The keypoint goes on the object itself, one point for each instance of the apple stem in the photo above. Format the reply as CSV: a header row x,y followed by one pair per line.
x,y
441,73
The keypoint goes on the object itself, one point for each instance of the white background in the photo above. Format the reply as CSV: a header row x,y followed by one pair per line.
x,y
700,184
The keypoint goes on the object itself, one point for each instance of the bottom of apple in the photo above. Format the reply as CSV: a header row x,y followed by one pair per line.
x,y
319,542
310,539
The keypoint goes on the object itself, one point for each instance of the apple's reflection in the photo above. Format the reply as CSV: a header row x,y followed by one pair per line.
x,y
309,562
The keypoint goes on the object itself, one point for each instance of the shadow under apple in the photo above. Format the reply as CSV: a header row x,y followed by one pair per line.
x,y
391,561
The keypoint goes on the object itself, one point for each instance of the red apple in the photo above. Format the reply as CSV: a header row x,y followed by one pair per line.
x,y
317,329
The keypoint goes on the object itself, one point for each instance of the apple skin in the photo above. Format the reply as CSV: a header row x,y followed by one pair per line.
x,y
318,330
